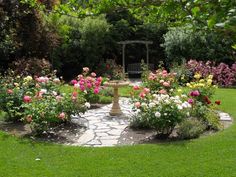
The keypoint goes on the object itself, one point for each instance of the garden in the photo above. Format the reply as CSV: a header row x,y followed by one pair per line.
x,y
117,88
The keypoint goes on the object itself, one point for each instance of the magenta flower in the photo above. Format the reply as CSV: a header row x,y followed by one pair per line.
x,y
73,82
96,90
194,93
190,101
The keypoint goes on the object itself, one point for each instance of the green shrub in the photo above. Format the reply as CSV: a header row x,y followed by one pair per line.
x,y
83,42
190,128
183,43
105,99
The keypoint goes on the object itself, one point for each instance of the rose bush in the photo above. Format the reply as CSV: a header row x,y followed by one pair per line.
x,y
161,112
88,84
160,82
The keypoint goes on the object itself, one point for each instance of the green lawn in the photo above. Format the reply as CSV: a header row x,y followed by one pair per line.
x,y
208,156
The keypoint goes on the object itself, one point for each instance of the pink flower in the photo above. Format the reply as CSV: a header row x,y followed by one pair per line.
x,y
194,93
62,115
166,84
93,74
162,91
82,88
10,91
190,101
59,98
137,104
99,79
89,85
80,76
86,69
142,94
97,83
146,90
73,82
135,87
96,90
42,79
27,99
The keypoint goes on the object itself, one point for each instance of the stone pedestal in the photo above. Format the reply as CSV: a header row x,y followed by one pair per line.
x,y
115,110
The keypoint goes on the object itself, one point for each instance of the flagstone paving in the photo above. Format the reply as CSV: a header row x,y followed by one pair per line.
x,y
105,130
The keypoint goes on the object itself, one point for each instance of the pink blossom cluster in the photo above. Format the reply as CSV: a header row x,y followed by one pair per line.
x,y
87,83
223,74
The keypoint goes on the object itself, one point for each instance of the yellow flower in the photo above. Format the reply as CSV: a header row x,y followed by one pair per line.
x,y
28,78
201,80
179,90
210,77
201,85
188,84
209,81
197,76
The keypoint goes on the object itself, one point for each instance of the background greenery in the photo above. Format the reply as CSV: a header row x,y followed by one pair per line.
x,y
73,33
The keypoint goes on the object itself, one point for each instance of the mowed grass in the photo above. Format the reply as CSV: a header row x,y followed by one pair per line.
x,y
208,156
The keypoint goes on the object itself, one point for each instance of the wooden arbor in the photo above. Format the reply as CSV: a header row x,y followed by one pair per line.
x,y
124,43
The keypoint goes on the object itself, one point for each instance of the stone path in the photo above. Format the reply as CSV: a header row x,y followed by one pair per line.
x,y
103,129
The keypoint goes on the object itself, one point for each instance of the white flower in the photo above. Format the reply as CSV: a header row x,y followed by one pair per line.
x,y
43,91
54,93
158,114
76,85
151,105
56,80
186,105
87,104
144,105
165,114
188,114
184,96
180,107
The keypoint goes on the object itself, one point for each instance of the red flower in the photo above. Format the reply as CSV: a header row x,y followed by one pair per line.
x,y
207,100
218,102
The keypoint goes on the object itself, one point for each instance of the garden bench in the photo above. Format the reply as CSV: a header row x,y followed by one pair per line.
x,y
135,68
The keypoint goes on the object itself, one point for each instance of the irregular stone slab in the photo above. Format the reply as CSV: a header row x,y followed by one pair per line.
x,y
225,116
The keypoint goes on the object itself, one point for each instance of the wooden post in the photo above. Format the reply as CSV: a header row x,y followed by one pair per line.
x,y
123,57
147,54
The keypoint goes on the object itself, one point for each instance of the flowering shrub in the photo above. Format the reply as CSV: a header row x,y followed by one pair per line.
x,y
12,90
201,89
49,108
160,82
89,84
223,74
160,111
200,95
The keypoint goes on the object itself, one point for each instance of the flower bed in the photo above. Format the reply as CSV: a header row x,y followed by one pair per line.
x,y
39,101
162,104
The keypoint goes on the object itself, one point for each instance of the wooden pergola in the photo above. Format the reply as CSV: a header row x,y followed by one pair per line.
x,y
124,43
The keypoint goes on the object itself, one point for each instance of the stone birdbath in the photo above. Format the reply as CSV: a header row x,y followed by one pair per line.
x,y
116,84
